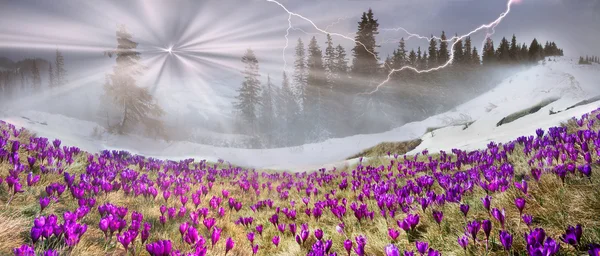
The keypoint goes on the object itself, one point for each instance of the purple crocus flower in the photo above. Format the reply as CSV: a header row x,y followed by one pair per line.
x,y
486,201
250,237
487,228
499,215
159,248
393,233
214,237
229,244
275,241
319,234
348,246
392,250
464,208
463,241
44,201
594,248
527,219
422,247
506,239
259,229
520,204
573,235
24,250
473,228
438,216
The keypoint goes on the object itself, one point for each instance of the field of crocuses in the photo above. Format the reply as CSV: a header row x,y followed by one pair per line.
x,y
536,195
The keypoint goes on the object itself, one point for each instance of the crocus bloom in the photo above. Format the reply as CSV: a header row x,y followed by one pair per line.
x,y
319,234
250,237
229,244
438,216
487,228
393,233
520,204
276,241
159,248
527,219
506,239
214,237
463,241
499,215
573,235
594,249
348,246
464,208
392,250
486,202
421,247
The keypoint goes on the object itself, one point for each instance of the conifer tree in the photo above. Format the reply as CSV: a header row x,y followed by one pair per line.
x,y
535,53
61,72
51,81
433,51
412,58
136,104
476,60
300,73
458,52
329,62
524,53
365,63
248,98
467,58
36,81
315,88
267,116
443,54
489,55
514,49
503,52
399,57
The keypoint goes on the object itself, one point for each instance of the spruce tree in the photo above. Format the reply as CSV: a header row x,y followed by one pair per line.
x,y
524,53
36,81
443,54
365,63
136,104
315,88
289,110
458,52
61,72
248,98
534,51
433,51
300,72
399,59
514,49
467,58
267,116
329,62
51,81
412,58
503,51
476,60
488,55
419,59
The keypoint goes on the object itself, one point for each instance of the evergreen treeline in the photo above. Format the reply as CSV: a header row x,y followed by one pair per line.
x,y
589,60
28,76
324,97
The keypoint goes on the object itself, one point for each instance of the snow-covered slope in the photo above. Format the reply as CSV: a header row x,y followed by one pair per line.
x,y
564,78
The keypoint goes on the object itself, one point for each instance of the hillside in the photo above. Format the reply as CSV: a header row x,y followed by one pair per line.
x,y
563,79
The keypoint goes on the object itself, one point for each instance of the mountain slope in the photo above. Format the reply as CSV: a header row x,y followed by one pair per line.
x,y
563,78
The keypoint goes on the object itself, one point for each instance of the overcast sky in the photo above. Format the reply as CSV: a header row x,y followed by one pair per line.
x,y
213,34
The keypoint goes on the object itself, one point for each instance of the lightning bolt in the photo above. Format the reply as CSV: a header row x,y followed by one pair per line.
x,y
490,26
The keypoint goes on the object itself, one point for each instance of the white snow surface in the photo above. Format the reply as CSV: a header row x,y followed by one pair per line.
x,y
563,79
